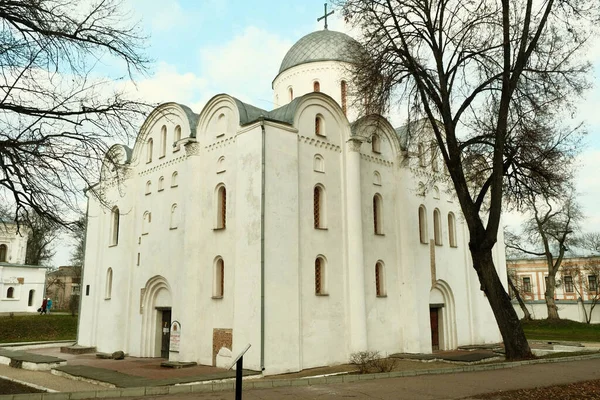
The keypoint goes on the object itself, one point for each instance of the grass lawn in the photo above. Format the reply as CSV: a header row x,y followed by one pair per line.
x,y
33,328
561,330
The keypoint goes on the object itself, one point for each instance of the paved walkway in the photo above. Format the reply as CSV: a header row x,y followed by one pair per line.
x,y
467,385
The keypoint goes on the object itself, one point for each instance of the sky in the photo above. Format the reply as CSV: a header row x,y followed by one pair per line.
x,y
201,48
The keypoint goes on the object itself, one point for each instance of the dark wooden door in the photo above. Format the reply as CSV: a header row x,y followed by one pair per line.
x,y
166,333
435,334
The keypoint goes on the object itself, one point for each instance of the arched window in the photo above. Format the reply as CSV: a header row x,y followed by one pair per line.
x,y
319,216
174,217
149,150
219,278
163,141
147,218
423,224
176,138
291,92
221,164
421,155
320,276
10,293
376,178
221,207
377,214
318,163
108,288
380,279
174,179
437,227
319,125
114,226
30,298
3,252
148,187
436,193
221,125
316,86
452,230
344,90
161,183
434,159
375,144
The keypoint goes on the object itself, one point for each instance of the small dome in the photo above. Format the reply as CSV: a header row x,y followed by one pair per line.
x,y
322,45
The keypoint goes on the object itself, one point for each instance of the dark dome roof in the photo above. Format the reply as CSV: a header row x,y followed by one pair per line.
x,y
319,46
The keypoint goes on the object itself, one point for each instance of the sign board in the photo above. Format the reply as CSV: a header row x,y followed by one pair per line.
x,y
175,337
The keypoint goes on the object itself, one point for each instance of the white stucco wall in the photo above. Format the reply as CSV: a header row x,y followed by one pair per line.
x,y
23,280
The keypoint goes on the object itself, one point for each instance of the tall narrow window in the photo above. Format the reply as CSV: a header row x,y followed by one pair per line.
x,y
174,177
568,280
146,222
527,284
423,224
434,159
10,293
375,144
109,279
377,217
176,138
319,207
452,230
316,86
163,141
148,187
161,184
219,278
174,217
3,252
320,288
30,298
592,284
421,155
221,207
379,279
291,92
114,228
149,147
319,125
344,90
437,227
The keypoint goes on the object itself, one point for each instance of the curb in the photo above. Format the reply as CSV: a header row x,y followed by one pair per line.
x,y
273,383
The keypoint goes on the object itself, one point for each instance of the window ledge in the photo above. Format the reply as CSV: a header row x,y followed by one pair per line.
x,y
320,229
173,186
220,172
172,229
454,247
381,295
175,150
379,234
107,298
219,229
148,193
320,172
160,190
113,245
220,135
217,297
322,294
439,245
9,299
163,156
144,234
423,242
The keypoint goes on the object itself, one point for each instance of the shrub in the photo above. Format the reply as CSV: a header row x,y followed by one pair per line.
x,y
364,360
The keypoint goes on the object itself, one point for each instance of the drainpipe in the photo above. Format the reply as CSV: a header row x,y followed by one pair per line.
x,y
262,245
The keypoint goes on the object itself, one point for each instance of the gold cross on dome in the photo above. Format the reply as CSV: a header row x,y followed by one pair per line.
x,y
325,16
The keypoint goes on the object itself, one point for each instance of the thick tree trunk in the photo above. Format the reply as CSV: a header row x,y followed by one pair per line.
x,y
526,313
515,342
549,296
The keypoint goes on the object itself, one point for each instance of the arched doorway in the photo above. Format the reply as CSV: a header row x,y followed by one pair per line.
x,y
156,317
442,317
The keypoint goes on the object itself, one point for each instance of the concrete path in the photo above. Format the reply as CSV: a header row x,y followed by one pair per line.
x,y
47,380
466,385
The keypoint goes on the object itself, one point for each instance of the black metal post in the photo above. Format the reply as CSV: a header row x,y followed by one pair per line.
x,y
238,378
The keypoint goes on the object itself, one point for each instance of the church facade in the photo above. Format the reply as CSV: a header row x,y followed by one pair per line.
x,y
302,231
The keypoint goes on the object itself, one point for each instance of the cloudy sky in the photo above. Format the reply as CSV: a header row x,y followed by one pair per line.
x,y
204,47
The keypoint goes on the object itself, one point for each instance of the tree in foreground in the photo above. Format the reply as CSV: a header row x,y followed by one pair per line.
x,y
548,232
58,114
490,76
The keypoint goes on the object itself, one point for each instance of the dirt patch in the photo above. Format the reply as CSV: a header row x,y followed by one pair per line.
x,y
9,387
586,390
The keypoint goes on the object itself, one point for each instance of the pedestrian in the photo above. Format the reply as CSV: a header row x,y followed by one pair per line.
x,y
49,305
44,305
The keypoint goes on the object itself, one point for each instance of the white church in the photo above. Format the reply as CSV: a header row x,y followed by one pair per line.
x,y
302,231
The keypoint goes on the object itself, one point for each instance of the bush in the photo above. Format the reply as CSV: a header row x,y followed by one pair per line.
x,y
371,361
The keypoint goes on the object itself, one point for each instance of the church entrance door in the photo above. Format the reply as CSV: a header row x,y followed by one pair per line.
x,y
165,336
435,333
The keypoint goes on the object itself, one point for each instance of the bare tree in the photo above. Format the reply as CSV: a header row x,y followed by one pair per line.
x,y
490,76
548,232
590,240
78,235
58,113
585,275
516,290
42,238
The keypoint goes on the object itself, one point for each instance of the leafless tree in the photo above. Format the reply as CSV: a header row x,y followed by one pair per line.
x,y
548,232
516,290
58,112
41,240
590,240
490,76
78,235
585,275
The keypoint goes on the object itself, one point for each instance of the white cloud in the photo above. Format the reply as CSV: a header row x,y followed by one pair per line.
x,y
245,66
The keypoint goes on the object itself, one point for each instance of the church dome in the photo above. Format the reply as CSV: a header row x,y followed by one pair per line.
x,y
322,45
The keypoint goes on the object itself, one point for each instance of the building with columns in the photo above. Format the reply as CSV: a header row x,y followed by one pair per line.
x,y
304,231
